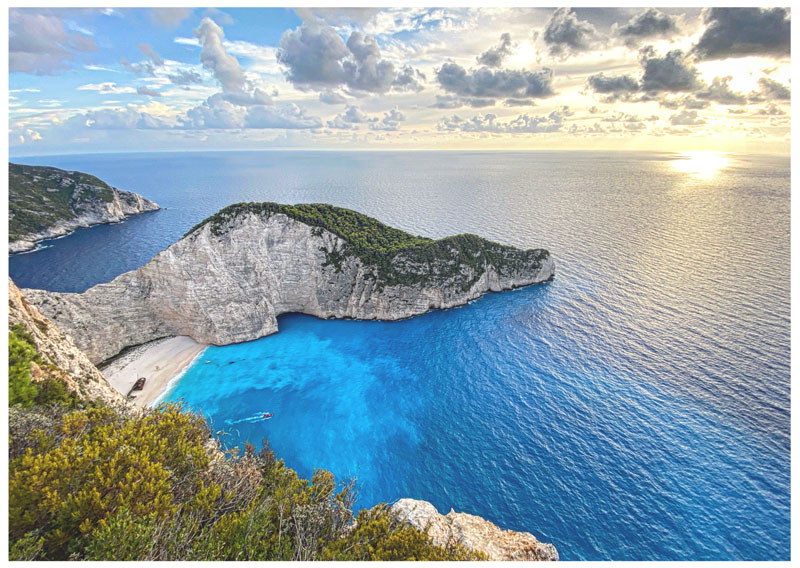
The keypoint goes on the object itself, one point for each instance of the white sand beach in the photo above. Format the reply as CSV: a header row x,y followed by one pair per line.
x,y
158,361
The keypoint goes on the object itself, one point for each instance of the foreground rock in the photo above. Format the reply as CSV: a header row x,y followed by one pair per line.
x,y
472,532
47,202
230,277
68,363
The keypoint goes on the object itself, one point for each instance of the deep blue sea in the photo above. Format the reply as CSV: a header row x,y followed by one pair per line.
x,y
637,407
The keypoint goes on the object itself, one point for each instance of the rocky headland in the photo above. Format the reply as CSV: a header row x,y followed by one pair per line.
x,y
472,532
230,277
46,202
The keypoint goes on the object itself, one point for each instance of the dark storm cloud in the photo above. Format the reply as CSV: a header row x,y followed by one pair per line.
x,y
734,32
501,83
565,33
648,24
494,56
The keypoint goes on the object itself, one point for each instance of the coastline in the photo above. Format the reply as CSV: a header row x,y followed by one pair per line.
x,y
34,241
160,362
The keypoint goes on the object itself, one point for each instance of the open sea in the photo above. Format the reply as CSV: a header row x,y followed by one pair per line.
x,y
636,407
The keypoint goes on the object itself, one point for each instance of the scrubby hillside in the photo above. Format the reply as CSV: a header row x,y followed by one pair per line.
x,y
45,202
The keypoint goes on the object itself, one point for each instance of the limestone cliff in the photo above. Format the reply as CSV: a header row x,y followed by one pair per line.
x,y
472,532
47,202
69,363
229,278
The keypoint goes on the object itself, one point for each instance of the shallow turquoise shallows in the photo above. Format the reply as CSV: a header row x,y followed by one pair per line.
x,y
637,407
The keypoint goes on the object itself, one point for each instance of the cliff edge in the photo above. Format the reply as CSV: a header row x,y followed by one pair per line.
x,y
474,533
232,275
45,202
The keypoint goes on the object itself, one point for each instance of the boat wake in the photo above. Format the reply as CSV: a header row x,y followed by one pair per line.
x,y
257,417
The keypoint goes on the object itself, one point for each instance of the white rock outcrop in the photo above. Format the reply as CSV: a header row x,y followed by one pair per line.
x,y
229,284
474,533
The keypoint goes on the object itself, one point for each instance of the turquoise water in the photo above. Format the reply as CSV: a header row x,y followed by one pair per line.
x,y
637,407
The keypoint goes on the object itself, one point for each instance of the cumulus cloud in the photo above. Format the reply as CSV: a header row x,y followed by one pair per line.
x,y
116,119
522,124
147,91
645,25
184,77
771,110
720,92
615,87
40,43
353,116
390,121
565,34
224,66
316,57
217,112
501,83
408,79
140,68
332,98
737,32
670,73
773,90
494,56
686,118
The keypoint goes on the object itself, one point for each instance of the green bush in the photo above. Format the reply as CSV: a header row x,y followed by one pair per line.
x,y
100,484
22,390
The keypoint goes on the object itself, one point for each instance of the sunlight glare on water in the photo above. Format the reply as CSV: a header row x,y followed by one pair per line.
x,y
701,164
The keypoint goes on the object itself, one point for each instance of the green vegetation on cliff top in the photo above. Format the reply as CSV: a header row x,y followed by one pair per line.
x,y
91,482
40,196
396,256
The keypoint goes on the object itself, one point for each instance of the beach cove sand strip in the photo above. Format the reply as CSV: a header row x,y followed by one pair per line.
x,y
158,361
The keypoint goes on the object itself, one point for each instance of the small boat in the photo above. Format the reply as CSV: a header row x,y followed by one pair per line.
x,y
267,415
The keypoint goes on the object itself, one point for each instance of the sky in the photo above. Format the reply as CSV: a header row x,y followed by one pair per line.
x,y
182,79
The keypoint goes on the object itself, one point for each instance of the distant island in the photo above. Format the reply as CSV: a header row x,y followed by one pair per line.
x,y
230,277
46,202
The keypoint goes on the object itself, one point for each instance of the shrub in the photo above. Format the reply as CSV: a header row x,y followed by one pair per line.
x,y
99,484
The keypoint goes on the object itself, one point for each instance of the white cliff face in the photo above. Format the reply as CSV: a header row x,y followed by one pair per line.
x,y
88,211
472,532
230,287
